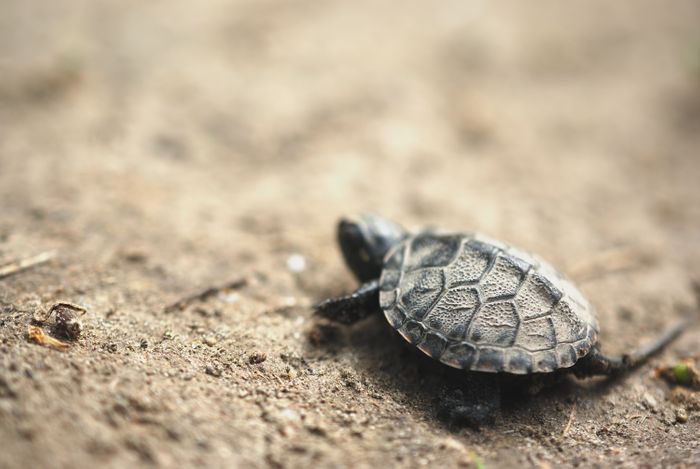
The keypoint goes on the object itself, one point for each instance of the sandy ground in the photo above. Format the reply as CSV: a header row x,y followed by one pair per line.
x,y
162,148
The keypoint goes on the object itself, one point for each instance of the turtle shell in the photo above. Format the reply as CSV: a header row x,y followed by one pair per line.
x,y
477,304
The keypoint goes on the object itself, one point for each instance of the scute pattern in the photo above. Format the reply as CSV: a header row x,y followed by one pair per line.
x,y
536,297
475,303
568,327
453,311
422,289
537,334
431,250
495,324
470,265
504,278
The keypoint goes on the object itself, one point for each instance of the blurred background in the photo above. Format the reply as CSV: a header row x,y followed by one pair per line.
x,y
163,146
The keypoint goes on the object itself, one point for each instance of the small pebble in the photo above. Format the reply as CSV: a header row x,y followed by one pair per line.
x,y
230,297
68,324
213,370
668,417
315,426
288,302
453,444
681,415
210,341
650,402
296,263
257,357
289,414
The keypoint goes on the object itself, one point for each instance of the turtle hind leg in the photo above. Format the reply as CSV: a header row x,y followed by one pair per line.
x,y
598,364
353,307
473,405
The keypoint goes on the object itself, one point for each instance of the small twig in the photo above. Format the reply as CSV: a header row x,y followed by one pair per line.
x,y
569,421
26,263
184,302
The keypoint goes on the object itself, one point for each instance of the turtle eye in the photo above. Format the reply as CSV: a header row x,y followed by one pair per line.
x,y
364,255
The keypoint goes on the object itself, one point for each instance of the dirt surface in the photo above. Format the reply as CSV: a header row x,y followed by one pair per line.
x,y
164,148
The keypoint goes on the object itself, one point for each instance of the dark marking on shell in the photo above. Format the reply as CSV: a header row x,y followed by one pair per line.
x,y
433,344
429,250
490,359
545,361
459,355
457,332
484,247
567,355
413,331
395,316
519,361
423,288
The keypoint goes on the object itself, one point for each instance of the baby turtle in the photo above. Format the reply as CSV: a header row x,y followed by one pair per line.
x,y
474,303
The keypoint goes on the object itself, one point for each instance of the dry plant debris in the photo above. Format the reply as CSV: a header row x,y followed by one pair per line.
x,y
204,295
37,335
20,265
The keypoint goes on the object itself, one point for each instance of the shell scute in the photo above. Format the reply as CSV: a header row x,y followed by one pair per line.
x,y
536,297
430,250
459,355
495,324
470,265
453,311
537,334
421,288
504,278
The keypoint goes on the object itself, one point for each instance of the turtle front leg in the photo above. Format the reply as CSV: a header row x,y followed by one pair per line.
x,y
353,307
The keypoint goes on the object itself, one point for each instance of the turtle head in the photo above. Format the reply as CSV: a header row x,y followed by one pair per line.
x,y
365,241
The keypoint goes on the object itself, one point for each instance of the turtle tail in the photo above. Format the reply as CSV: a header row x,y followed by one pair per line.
x,y
598,364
